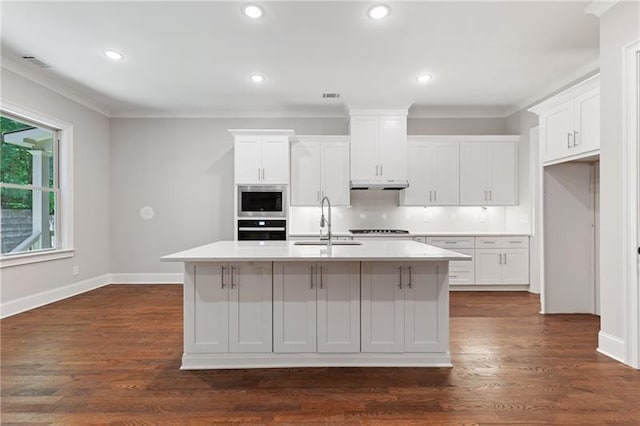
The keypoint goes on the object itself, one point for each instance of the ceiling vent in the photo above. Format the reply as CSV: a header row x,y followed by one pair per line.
x,y
330,95
35,61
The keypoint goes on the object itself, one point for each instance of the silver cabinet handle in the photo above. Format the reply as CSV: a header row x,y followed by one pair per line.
x,y
410,274
400,281
575,139
490,195
258,173
222,276
263,173
435,195
381,170
485,195
311,275
233,278
499,258
376,170
505,258
569,140
318,195
321,277
430,195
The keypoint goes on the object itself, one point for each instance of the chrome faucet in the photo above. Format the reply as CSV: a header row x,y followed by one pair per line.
x,y
323,220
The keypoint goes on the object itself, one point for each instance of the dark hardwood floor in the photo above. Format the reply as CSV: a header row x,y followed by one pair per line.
x,y
112,356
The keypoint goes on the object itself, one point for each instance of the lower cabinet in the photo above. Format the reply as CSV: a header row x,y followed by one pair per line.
x,y
403,307
316,307
231,307
502,266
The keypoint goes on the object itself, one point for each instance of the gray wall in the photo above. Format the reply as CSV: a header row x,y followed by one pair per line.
x,y
618,28
91,192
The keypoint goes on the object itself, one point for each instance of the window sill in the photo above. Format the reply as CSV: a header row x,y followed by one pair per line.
x,y
34,257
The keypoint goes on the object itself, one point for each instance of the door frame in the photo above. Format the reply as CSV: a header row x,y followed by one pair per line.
x,y
631,203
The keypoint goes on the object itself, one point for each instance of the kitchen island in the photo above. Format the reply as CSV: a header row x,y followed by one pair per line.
x,y
285,304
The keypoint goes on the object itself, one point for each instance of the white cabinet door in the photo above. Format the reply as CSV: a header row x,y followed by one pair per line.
x,y
275,160
473,174
335,173
250,307
489,266
338,307
382,307
445,169
557,126
306,174
364,147
425,307
393,147
294,307
587,122
206,328
462,272
248,160
419,175
502,173
515,266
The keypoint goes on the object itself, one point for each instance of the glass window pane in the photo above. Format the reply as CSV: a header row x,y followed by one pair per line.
x,y
27,220
26,154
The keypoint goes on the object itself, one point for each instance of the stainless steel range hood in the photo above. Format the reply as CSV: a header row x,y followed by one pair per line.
x,y
382,185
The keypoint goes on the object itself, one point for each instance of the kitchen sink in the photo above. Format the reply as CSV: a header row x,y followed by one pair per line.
x,y
324,243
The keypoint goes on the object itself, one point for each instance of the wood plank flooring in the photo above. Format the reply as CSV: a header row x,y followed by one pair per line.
x,y
112,356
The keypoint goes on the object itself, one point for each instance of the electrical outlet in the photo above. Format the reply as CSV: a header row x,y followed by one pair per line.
x,y
76,270
482,216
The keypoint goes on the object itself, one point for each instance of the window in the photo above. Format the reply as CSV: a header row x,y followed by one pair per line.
x,y
32,193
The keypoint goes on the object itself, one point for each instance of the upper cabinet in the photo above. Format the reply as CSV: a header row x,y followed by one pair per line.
x,y
489,173
320,167
378,145
433,173
261,157
570,123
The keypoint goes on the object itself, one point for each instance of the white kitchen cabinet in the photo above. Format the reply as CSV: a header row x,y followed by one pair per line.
x,y
232,308
398,305
505,262
488,173
378,145
460,272
570,123
319,167
433,174
316,307
261,156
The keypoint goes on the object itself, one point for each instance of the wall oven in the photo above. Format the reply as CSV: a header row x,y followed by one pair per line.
x,y
261,230
262,201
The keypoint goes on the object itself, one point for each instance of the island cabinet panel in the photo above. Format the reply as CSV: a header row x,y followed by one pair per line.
x,y
316,307
402,307
294,305
339,307
250,307
228,307
382,307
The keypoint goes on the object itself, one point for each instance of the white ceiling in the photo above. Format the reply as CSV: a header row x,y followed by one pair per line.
x,y
196,58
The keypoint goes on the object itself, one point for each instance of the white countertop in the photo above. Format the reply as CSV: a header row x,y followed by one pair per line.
x,y
288,251
410,234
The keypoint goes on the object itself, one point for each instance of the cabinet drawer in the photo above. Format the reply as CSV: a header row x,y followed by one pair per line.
x,y
451,242
461,277
515,242
488,242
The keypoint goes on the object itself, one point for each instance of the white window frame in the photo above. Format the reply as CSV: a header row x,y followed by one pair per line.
x,y
64,200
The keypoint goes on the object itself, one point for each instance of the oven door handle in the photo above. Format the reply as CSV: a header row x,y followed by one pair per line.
x,y
242,228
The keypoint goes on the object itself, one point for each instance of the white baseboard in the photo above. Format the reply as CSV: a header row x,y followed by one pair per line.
x,y
485,287
611,346
44,298
164,278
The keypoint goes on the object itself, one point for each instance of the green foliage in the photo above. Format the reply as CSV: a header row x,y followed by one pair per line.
x,y
15,167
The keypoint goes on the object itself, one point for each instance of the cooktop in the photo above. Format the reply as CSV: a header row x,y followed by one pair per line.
x,y
378,231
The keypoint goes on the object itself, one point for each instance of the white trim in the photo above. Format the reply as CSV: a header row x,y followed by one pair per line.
x,y
599,7
161,278
631,206
26,258
611,346
463,138
33,301
566,95
53,85
463,111
484,287
376,111
309,112
261,132
580,156
191,361
321,138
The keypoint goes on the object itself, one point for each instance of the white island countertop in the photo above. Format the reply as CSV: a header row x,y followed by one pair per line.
x,y
288,251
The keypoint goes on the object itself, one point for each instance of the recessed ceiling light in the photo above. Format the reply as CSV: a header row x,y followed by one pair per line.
x,y
112,54
424,78
379,11
253,11
257,78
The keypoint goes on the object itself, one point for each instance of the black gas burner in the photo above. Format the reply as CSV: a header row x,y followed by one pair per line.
x,y
378,231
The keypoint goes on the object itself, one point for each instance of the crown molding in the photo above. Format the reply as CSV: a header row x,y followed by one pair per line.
x,y
598,8
306,112
581,73
465,111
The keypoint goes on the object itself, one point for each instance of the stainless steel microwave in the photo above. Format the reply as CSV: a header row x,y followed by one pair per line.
x,y
262,201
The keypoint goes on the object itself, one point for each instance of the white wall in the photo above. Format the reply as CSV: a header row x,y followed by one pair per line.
x,y
618,28
91,192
